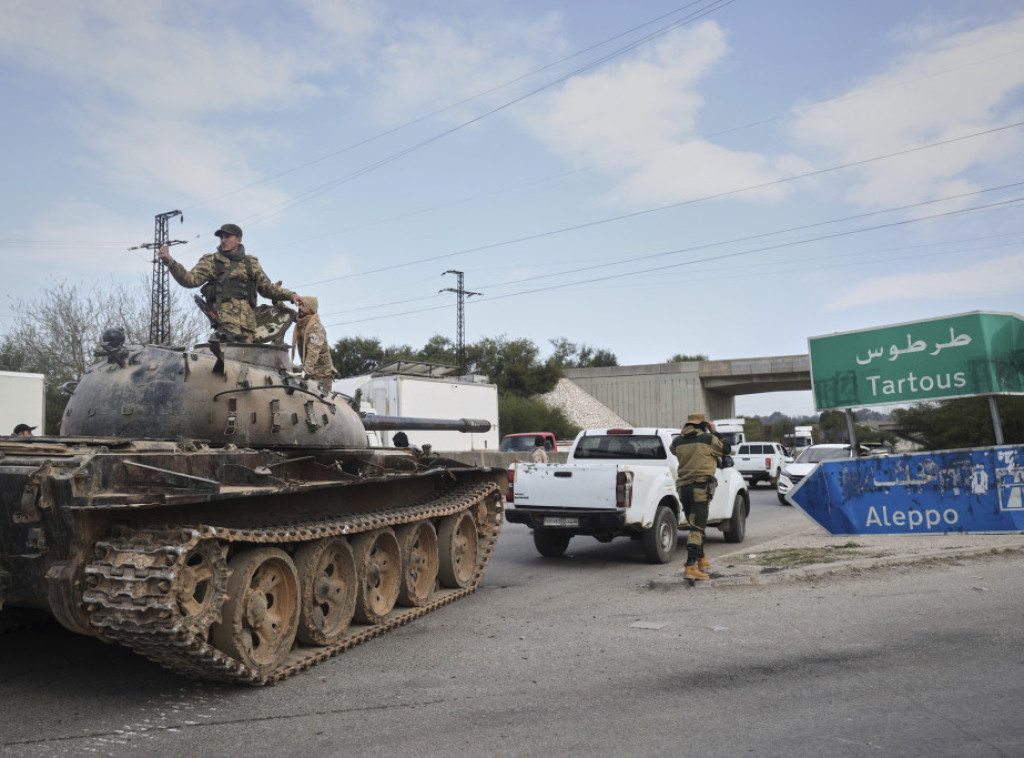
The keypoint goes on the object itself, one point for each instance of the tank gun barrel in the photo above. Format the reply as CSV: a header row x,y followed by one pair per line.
x,y
373,422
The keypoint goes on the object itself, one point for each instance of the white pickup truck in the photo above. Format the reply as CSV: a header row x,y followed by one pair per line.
x,y
760,461
617,482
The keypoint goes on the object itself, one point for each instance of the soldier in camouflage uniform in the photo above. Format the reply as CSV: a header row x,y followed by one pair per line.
x,y
230,280
310,338
697,449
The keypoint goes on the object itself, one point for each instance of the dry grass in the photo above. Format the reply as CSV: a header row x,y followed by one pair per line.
x,y
803,556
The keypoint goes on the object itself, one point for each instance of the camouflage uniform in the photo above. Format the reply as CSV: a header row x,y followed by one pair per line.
x,y
698,452
235,297
314,350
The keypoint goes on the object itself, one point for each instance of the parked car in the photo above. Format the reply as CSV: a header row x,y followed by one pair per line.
x,y
811,457
760,461
523,442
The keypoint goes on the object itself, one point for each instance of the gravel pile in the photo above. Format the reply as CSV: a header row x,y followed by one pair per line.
x,y
582,408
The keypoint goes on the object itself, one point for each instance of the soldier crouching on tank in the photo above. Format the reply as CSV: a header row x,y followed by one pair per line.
x,y
310,338
698,449
230,280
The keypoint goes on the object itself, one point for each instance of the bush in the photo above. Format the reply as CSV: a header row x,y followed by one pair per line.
x,y
517,414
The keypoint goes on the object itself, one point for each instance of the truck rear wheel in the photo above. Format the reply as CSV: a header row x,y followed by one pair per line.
x,y
738,523
660,540
549,542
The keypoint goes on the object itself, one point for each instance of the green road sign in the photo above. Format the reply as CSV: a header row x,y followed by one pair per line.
x,y
952,356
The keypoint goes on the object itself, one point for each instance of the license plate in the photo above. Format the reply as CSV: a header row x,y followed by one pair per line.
x,y
561,521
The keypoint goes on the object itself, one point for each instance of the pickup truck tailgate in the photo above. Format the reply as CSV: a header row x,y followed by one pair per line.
x,y
555,485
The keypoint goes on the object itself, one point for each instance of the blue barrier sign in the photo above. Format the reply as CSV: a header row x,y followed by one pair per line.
x,y
972,490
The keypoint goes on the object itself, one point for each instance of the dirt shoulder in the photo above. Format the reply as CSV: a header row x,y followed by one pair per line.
x,y
813,554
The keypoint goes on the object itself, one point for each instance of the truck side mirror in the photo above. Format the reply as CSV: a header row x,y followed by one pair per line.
x,y
725,461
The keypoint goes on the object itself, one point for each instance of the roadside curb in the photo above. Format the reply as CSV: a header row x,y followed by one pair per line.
x,y
752,575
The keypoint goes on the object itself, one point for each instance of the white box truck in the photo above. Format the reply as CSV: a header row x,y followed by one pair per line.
x,y
425,397
801,439
732,428
22,401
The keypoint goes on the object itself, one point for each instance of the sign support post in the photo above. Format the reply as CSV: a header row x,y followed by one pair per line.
x,y
851,430
993,406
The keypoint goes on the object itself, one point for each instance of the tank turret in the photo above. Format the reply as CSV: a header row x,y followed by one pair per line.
x,y
222,393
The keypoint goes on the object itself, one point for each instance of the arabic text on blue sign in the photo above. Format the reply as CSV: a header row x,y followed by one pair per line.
x,y
972,490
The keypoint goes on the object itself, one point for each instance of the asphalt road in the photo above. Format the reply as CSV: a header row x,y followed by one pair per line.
x,y
576,656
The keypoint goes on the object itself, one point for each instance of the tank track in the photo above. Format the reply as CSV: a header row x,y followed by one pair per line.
x,y
133,582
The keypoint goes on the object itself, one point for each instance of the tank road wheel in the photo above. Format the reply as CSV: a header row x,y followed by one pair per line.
x,y
418,545
202,585
329,582
457,546
379,563
261,614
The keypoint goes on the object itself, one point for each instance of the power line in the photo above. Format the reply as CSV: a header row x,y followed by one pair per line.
x,y
452,106
319,190
648,211
731,273
622,275
592,167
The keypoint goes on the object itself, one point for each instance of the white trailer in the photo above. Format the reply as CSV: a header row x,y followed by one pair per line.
x,y
426,397
22,401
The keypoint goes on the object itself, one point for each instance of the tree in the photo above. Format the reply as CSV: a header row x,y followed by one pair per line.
x,y
517,414
682,358
56,334
355,356
513,365
440,350
570,355
963,422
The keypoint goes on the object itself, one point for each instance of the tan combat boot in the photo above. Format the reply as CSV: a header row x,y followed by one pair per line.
x,y
693,573
703,564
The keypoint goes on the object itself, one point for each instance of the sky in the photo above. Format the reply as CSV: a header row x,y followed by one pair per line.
x,y
726,177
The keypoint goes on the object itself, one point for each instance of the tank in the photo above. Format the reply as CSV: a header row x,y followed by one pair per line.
x,y
224,516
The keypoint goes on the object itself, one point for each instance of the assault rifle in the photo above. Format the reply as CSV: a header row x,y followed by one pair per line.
x,y
209,312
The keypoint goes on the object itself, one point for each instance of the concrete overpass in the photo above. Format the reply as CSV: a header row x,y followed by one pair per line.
x,y
661,394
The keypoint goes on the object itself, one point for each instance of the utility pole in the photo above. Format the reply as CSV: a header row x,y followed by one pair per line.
x,y
460,343
160,295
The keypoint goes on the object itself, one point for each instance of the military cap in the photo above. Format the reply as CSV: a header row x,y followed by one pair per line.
x,y
232,230
695,418
23,428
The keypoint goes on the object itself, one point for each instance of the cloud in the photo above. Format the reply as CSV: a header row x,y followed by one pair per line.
x,y
160,57
158,97
951,84
430,63
992,278
638,119
193,162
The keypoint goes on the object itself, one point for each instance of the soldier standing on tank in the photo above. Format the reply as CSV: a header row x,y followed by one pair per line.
x,y
697,449
310,338
230,280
